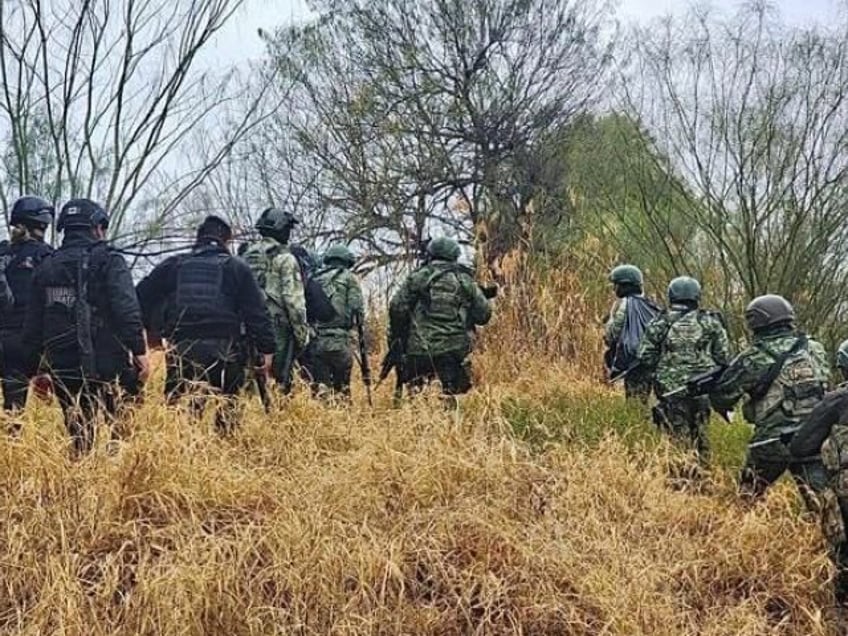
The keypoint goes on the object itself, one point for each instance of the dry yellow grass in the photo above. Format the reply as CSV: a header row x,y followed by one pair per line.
x,y
317,520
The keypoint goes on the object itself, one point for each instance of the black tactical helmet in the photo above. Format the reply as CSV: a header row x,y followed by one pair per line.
x,y
842,357
768,311
684,289
626,275
443,249
341,254
216,228
274,220
28,210
81,214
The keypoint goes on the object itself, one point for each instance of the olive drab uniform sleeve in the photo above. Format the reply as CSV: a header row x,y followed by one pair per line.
x,y
480,309
821,360
284,288
615,322
650,348
355,301
400,308
740,376
720,341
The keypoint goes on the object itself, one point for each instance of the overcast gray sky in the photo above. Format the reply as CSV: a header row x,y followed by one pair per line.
x,y
239,41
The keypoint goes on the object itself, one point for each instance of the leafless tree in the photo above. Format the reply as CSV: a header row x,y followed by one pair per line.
x,y
100,98
751,118
409,115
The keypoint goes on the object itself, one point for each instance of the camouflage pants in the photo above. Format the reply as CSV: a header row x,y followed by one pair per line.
x,y
285,355
637,386
764,465
327,369
685,420
451,369
834,529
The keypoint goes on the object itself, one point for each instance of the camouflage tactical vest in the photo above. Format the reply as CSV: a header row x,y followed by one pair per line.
x,y
795,391
687,340
444,299
260,258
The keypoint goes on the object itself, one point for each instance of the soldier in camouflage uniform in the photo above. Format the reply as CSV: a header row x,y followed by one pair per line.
x,y
682,342
784,374
627,281
279,275
432,313
826,431
329,357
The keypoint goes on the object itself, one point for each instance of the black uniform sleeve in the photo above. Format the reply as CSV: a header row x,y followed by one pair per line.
x,y
155,288
253,310
124,305
33,334
808,439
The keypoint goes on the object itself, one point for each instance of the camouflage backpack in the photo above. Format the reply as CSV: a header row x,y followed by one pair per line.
x,y
444,298
687,340
791,388
334,283
318,305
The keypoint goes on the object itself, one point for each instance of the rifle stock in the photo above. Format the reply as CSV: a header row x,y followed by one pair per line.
x,y
254,361
363,360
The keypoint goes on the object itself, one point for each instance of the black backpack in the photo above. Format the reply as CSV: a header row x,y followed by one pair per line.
x,y
319,306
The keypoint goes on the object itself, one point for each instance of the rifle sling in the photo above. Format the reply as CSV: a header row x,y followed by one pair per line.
x,y
762,387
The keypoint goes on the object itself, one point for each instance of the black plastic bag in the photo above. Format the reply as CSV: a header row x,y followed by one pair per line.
x,y
640,312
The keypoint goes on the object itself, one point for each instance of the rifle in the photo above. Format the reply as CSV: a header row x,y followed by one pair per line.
x,y
699,385
363,359
254,360
785,436
490,290
82,317
286,365
623,374
394,359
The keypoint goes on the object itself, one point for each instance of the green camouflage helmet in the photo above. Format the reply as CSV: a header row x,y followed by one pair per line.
x,y
626,275
341,254
768,311
842,356
443,249
275,220
683,289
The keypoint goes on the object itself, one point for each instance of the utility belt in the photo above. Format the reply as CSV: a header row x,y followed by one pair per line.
x,y
207,332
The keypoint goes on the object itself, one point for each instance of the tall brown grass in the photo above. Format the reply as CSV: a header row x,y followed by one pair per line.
x,y
326,520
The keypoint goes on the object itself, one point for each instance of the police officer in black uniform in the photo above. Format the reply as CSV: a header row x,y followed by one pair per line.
x,y
19,257
84,321
210,295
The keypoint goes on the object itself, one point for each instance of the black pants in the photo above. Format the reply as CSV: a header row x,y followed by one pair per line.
x,y
330,369
764,465
82,400
15,380
451,369
204,366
